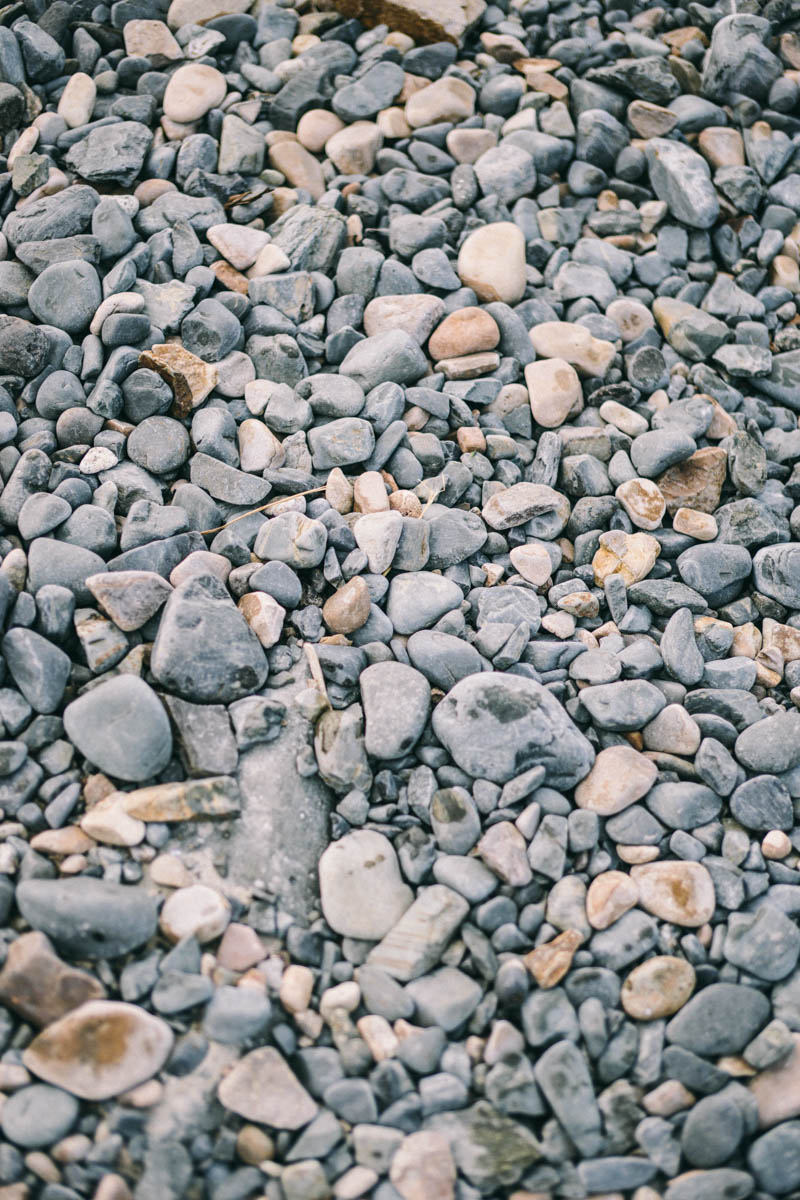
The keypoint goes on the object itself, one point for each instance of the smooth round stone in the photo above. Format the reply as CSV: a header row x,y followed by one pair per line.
x,y
159,444
643,502
772,745
575,344
261,1087
77,100
315,128
86,917
657,988
38,1116
713,1130
348,608
679,892
497,726
352,150
609,897
196,911
122,728
672,732
492,262
554,390
631,555
533,563
448,99
465,331
624,706
396,701
66,294
774,1159
192,91
362,864
418,600
101,1049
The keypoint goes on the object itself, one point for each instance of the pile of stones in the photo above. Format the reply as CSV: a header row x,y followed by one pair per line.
x,y
400,600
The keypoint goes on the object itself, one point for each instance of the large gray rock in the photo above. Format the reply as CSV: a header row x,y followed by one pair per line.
x,y
498,726
776,572
681,178
112,153
396,701
122,728
88,918
738,61
205,650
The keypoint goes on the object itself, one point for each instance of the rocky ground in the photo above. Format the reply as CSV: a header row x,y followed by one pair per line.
x,y
400,586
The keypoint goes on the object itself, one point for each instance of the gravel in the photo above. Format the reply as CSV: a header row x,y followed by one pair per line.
x,y
400,601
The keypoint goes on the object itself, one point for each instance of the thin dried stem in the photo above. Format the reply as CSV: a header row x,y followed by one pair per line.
x,y
263,508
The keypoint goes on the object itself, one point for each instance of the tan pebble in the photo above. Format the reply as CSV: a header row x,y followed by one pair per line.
x,y
560,624
784,638
264,615
580,604
42,1166
699,525
502,848
416,315
144,1096
471,439
150,39
254,1145
392,123
73,864
77,100
191,379
448,99
650,120
168,871
626,419
379,1036
492,262
667,1099
549,963
679,892
198,910
37,985
721,147
642,501
400,41
672,731
73,1148
554,390
258,447
696,482
533,563
785,272
271,261
465,331
722,423
422,1168
240,948
591,356
352,150
297,987
631,555
635,855
657,988
610,896
369,493
776,844
406,503
467,145
192,91
777,1089
315,128
300,168
71,839
348,608
107,822
619,777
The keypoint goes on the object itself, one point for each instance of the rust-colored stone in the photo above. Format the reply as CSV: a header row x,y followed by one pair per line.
x,y
39,986
191,379
696,482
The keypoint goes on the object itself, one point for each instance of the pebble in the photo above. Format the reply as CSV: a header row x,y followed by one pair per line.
x,y
261,1087
657,988
100,1050
191,91
362,859
681,892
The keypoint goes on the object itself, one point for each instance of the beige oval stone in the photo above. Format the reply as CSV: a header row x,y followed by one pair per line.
x,y
696,524
77,100
657,988
100,1049
300,168
776,844
650,120
632,319
467,145
264,615
198,910
619,777
150,39
631,555
555,391
492,262
315,128
447,99
348,608
198,12
609,897
149,190
561,339
422,1167
680,892
672,731
549,963
465,331
416,315
192,91
626,419
262,1087
721,146
352,150
777,1089
642,501
533,563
